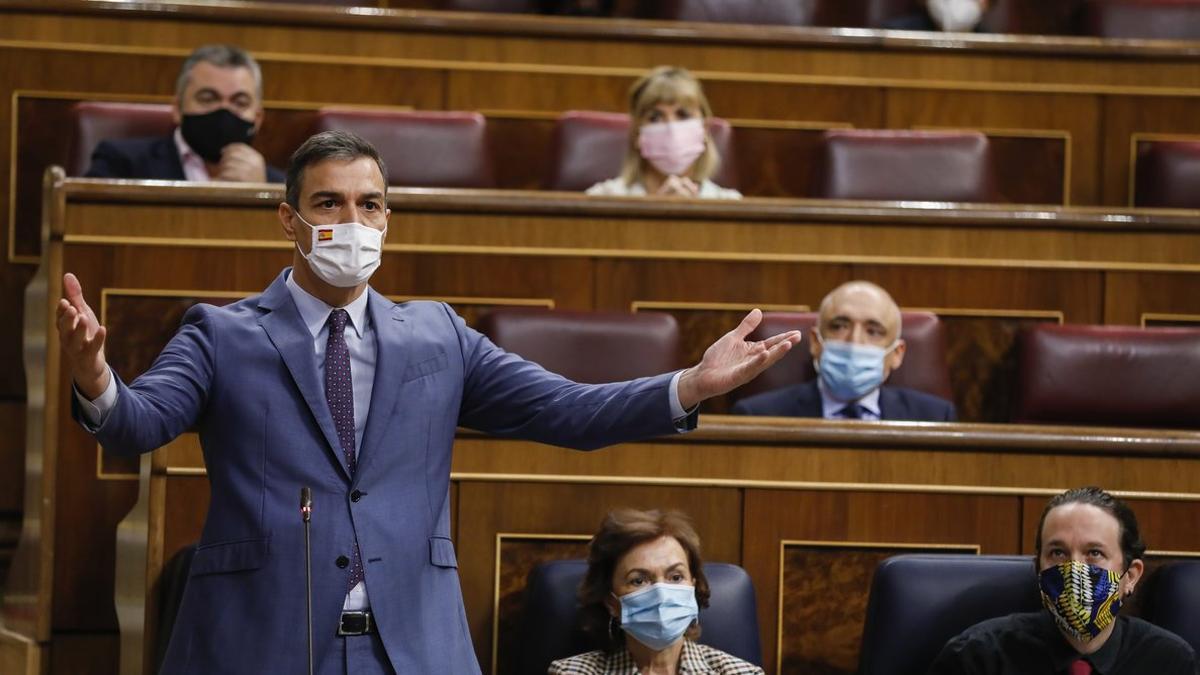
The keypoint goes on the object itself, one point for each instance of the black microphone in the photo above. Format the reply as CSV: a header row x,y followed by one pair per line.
x,y
306,514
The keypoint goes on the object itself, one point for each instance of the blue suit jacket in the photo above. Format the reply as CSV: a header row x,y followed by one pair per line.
x,y
154,158
246,378
804,400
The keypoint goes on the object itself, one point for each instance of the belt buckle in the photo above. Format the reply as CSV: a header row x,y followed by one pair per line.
x,y
355,623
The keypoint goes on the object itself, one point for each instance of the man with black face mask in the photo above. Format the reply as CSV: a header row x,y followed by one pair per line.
x,y
1089,560
217,110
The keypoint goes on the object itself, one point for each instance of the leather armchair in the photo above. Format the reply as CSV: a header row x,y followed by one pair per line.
x,y
422,148
918,602
588,347
1109,376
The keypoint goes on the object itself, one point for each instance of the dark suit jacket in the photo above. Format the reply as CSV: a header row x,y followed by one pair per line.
x,y
804,400
154,158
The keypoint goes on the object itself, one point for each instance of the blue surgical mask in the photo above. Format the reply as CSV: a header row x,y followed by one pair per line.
x,y
659,615
851,371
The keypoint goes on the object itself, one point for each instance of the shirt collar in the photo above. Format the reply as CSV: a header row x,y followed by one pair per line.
x,y
831,407
315,312
194,167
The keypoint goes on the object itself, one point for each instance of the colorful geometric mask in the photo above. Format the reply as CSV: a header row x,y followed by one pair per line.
x,y
1083,599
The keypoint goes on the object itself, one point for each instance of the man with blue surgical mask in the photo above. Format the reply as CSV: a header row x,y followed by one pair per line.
x,y
855,346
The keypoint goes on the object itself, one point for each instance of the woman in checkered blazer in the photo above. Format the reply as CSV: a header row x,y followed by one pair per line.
x,y
640,598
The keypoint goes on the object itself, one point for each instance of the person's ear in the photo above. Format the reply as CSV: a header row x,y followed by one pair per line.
x,y
896,357
1131,578
288,220
176,113
613,605
258,119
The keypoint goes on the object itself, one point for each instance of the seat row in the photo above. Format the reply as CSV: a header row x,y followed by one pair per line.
x,y
916,604
450,149
1070,374
1120,19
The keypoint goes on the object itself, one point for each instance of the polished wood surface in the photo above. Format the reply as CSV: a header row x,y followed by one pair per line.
x,y
776,496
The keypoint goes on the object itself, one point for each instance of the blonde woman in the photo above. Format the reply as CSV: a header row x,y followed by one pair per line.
x,y
670,151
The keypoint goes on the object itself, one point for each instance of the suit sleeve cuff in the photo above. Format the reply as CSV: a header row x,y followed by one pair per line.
x,y
95,412
684,419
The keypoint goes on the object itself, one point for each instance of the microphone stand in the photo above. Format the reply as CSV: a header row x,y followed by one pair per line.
x,y
306,514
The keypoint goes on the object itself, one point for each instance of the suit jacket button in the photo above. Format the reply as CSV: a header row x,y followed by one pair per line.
x,y
342,561
355,496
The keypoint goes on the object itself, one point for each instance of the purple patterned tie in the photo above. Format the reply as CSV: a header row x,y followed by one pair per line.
x,y
339,393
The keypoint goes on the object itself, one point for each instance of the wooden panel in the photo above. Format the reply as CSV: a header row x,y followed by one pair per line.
x,y
823,614
1128,296
848,519
518,556
486,509
1165,525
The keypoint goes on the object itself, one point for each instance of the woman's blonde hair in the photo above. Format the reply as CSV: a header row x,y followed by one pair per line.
x,y
666,84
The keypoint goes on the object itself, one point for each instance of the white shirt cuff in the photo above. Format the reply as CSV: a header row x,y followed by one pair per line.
x,y
678,414
95,412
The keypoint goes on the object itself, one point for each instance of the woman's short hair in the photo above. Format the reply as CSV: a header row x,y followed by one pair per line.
x,y
621,531
667,84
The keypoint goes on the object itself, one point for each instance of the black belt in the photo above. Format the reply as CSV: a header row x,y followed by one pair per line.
x,y
356,623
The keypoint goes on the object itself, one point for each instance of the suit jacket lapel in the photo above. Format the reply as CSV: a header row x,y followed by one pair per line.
x,y
168,158
290,336
391,360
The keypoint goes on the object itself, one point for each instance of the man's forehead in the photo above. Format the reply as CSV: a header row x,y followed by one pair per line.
x,y
1082,521
208,75
343,176
860,305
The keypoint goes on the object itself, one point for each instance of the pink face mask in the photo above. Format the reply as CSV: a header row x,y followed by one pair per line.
x,y
671,147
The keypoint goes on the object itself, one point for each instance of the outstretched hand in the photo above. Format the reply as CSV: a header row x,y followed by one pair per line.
x,y
731,361
82,339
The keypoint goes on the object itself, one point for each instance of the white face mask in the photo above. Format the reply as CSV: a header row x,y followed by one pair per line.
x,y
956,16
343,255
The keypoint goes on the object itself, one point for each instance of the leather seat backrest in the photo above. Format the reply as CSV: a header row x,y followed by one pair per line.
x,y
896,165
95,121
918,602
1142,19
588,347
1109,376
1167,174
422,148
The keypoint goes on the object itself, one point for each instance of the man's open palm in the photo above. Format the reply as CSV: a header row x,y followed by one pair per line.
x,y
732,361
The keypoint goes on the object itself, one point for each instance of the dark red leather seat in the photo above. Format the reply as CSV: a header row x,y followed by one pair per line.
x,y
95,121
1168,174
422,148
771,12
924,367
1142,19
898,165
588,347
1109,376
589,147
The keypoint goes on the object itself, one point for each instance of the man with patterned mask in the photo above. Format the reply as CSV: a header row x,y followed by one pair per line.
x,y
855,347
1089,561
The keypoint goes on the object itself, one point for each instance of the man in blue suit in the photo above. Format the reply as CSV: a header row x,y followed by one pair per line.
x,y
218,108
855,347
322,382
